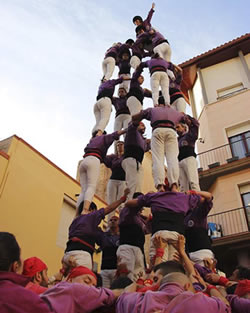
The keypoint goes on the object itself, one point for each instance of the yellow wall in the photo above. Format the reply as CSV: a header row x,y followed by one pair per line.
x,y
31,196
226,191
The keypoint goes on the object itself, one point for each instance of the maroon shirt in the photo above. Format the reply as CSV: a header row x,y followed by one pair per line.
x,y
14,298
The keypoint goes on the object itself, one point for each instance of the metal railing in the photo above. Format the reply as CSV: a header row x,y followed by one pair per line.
x,y
233,221
222,155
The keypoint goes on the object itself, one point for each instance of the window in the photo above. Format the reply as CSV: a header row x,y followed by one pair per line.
x,y
240,144
245,197
68,212
230,90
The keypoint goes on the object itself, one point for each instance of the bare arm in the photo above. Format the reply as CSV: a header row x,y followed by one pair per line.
x,y
122,131
187,262
132,203
205,195
137,117
110,208
215,293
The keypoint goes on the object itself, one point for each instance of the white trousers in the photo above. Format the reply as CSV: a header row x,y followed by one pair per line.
x,y
164,51
134,175
89,173
79,258
102,111
126,83
179,105
135,61
189,177
115,190
121,121
200,255
134,105
160,79
107,277
108,66
168,236
164,142
132,257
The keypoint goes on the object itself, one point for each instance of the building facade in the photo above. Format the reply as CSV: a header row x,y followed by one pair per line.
x,y
217,84
37,202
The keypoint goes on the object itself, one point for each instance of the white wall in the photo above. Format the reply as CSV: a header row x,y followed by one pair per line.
x,y
197,95
223,75
247,58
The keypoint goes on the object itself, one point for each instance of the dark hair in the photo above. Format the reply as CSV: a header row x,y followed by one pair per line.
x,y
230,290
92,207
96,131
121,283
9,251
129,41
169,267
155,56
161,100
137,194
243,272
139,28
137,17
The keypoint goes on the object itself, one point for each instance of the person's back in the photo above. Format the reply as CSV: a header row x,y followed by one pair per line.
x,y
14,298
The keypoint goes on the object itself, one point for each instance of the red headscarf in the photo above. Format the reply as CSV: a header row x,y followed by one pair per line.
x,y
33,265
243,287
80,270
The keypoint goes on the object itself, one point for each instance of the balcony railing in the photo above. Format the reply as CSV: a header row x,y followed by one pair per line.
x,y
222,155
230,222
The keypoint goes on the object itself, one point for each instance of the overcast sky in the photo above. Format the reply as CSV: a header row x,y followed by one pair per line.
x,y
51,53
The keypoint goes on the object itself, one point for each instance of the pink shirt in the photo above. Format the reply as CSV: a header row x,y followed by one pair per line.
x,y
171,298
77,298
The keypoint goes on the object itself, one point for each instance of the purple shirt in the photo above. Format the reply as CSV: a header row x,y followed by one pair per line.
x,y
107,88
109,243
124,67
203,271
198,216
171,297
135,89
174,201
113,51
86,224
100,144
147,21
15,298
158,64
239,305
135,138
189,138
176,84
162,114
157,39
138,46
77,298
120,105
124,48
114,163
130,216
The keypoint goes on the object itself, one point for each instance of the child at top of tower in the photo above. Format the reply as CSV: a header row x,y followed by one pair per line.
x,y
137,20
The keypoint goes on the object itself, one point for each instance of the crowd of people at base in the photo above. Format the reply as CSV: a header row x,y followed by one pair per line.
x,y
181,275
171,286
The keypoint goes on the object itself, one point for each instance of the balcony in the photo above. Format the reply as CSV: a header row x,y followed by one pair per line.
x,y
223,160
230,226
